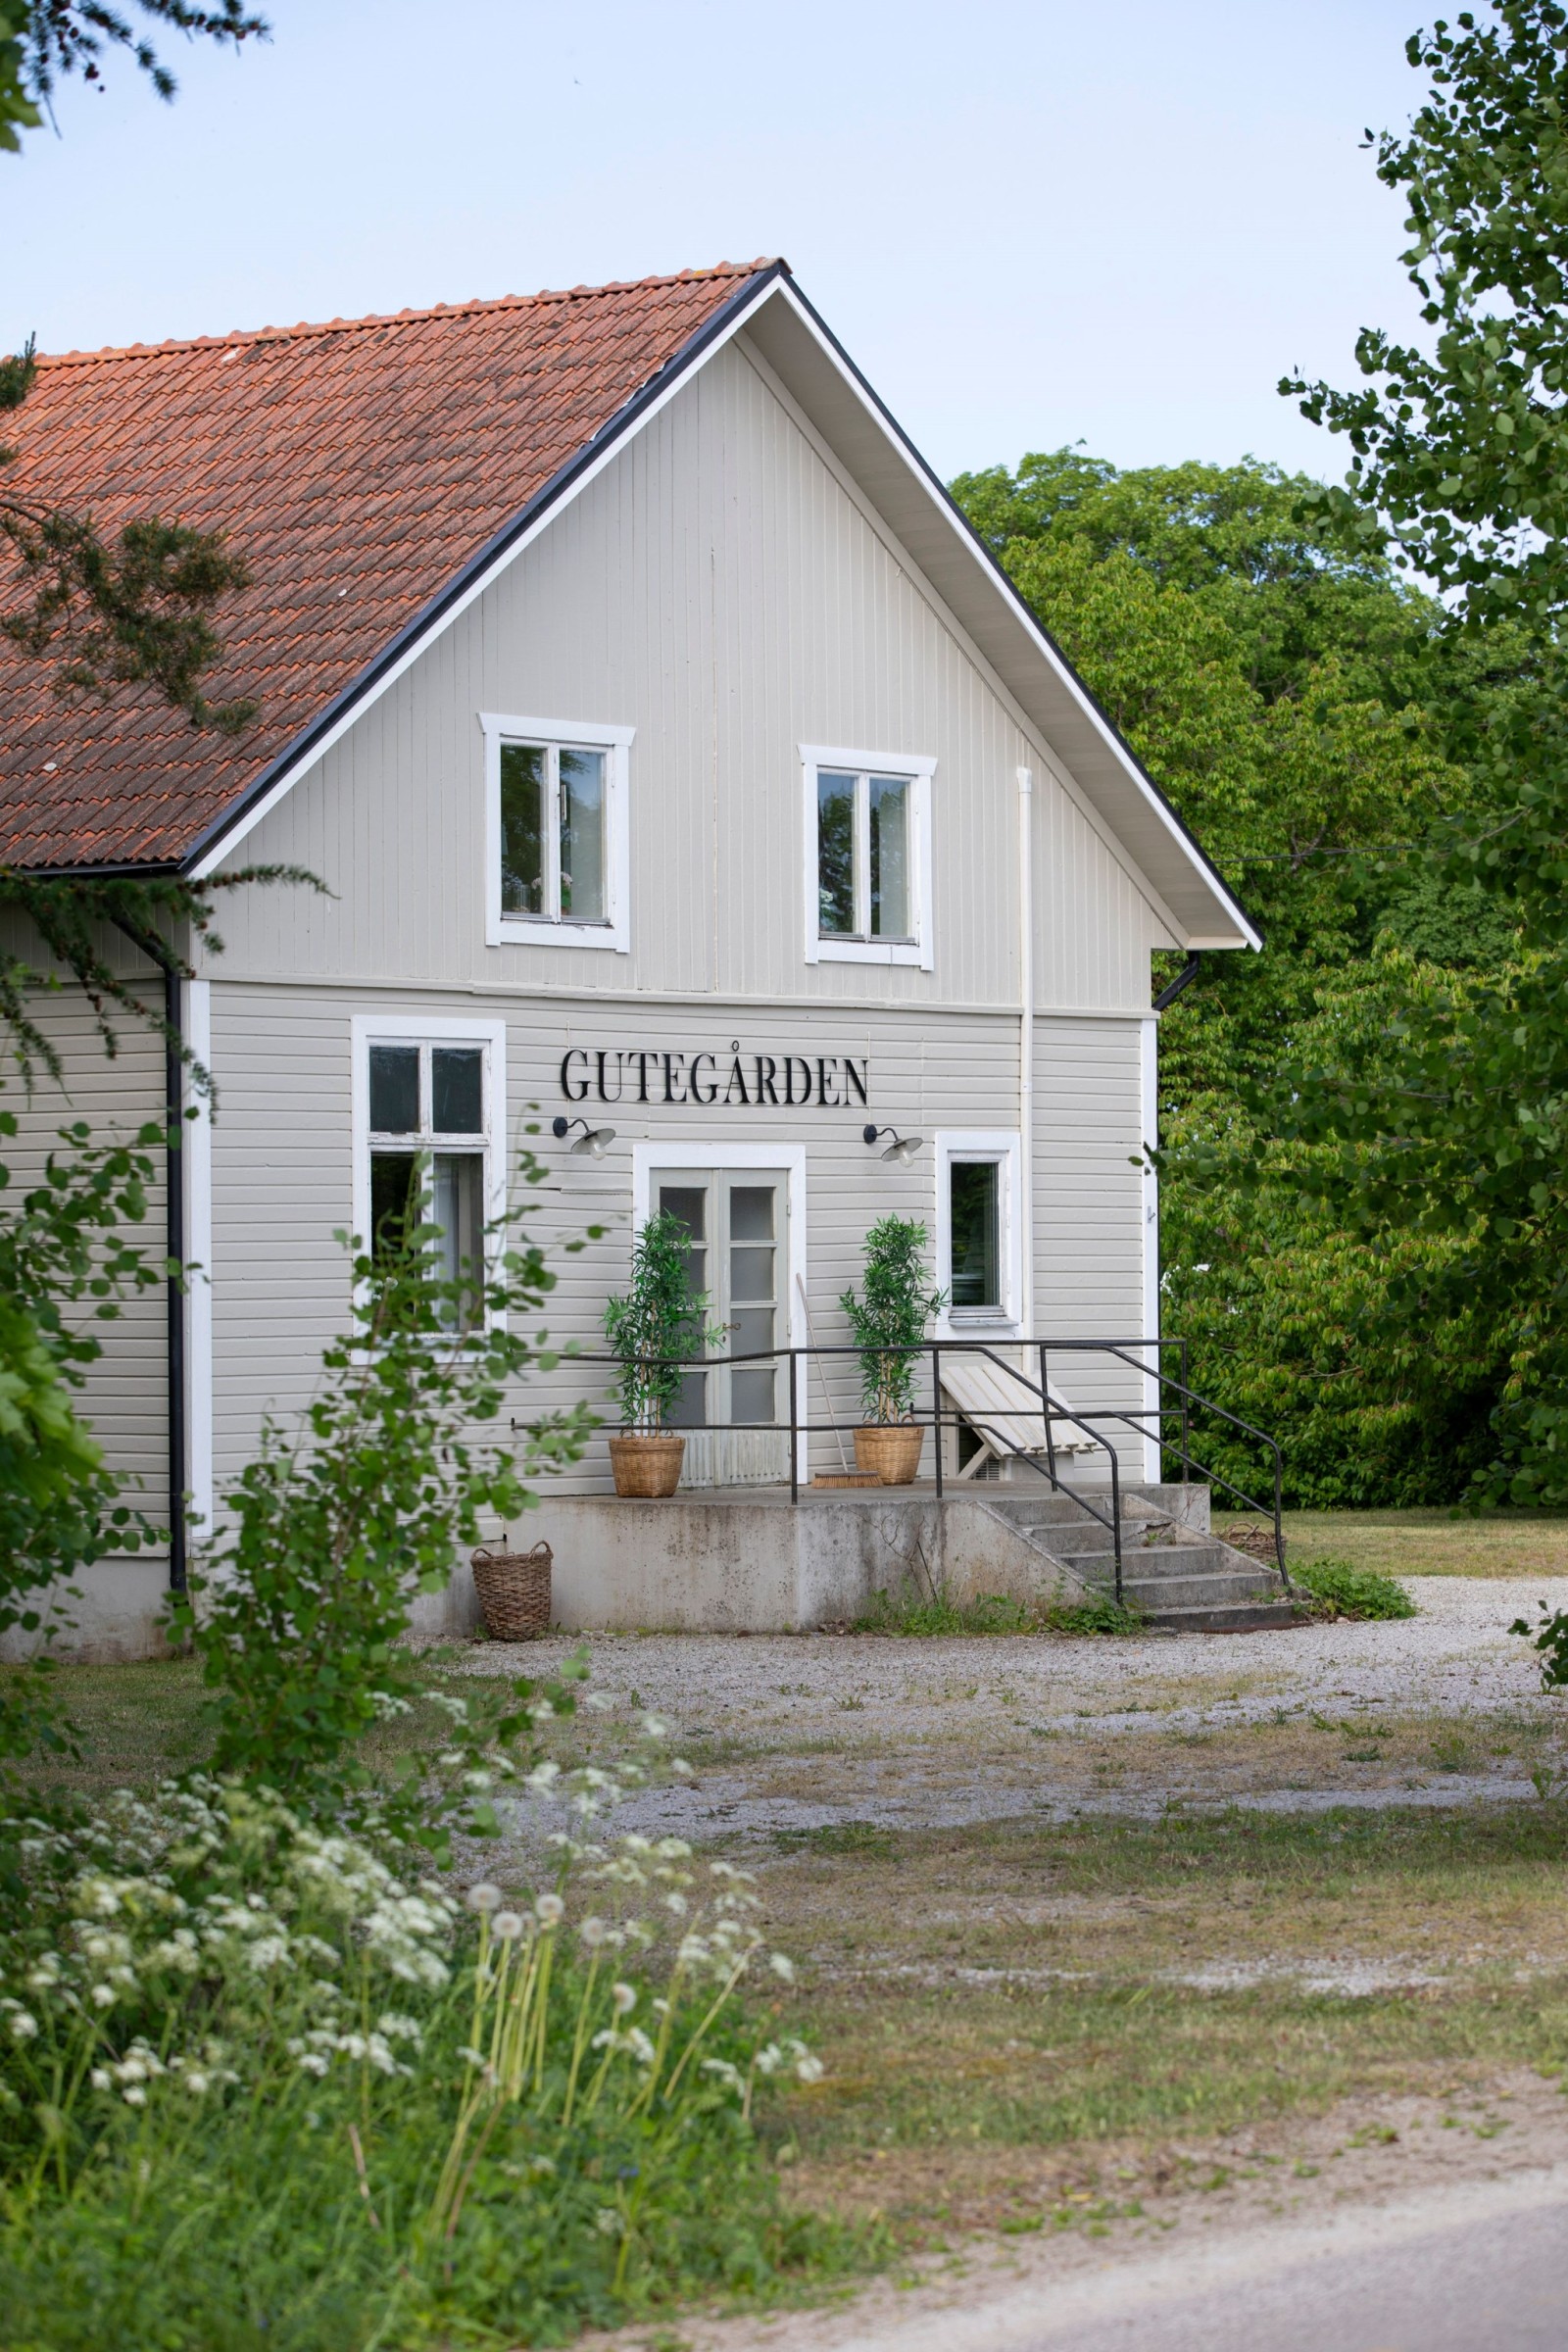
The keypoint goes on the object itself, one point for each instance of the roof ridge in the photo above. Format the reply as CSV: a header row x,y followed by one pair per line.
x,y
304,328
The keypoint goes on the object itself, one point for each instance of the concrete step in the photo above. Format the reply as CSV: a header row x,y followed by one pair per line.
x,y
1152,1595
1180,1561
1243,1617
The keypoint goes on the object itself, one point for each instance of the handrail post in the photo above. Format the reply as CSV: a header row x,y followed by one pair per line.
x,y
795,1442
936,1410
1186,1427
1115,1515
1279,1525
1045,1413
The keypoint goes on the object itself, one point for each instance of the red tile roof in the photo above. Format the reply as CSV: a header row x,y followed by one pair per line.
x,y
360,467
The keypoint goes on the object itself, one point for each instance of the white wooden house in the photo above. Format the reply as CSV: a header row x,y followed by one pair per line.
x,y
678,763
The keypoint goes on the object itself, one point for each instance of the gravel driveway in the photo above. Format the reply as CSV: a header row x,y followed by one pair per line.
x,y
793,1732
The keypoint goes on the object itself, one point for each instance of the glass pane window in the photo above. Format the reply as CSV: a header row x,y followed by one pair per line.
x,y
835,853
457,1089
554,855
888,797
974,1275
864,856
395,1090
524,791
583,835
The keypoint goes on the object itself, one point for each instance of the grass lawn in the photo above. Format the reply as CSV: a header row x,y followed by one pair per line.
x,y
1032,2017
1434,1542
1074,2000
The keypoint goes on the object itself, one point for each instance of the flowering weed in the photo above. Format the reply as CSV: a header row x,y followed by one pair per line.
x,y
261,2084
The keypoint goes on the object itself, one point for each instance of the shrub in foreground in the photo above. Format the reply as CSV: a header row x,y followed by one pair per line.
x,y
261,2087
1335,1589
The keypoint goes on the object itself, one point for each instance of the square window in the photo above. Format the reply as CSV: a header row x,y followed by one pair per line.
x,y
559,850
869,858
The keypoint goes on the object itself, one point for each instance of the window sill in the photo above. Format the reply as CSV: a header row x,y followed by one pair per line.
x,y
865,951
521,931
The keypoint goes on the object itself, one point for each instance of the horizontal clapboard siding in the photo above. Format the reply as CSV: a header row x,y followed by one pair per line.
x,y
283,1176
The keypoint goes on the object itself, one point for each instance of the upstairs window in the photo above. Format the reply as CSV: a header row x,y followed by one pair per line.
x,y
868,857
557,842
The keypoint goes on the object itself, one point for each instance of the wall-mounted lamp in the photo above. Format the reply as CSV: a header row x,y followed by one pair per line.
x,y
596,1140
902,1149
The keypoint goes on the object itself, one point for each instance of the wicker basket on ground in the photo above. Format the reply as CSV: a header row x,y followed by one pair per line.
x,y
513,1589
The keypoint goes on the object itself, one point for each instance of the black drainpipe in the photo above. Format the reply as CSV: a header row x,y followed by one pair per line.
x,y
174,1237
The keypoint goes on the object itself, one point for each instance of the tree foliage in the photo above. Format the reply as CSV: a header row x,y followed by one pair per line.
x,y
1292,696
1452,1122
333,1529
45,42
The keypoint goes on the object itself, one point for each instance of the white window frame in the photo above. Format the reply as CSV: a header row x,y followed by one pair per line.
x,y
919,769
613,934
1005,1146
396,1027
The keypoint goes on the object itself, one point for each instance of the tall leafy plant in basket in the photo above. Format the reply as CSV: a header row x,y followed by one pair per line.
x,y
657,1326
891,1316
654,1329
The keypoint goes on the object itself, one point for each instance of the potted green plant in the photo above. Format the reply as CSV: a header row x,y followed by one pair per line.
x,y
656,1327
891,1316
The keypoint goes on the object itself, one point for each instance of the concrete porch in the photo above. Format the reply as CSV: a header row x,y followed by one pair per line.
x,y
747,1560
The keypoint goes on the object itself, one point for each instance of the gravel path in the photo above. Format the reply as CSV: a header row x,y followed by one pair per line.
x,y
796,1733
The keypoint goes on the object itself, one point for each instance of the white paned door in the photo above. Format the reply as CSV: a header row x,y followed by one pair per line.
x,y
738,1254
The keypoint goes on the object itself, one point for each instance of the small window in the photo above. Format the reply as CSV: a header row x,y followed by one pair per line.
x,y
558,833
974,1268
867,860
426,1114
981,1232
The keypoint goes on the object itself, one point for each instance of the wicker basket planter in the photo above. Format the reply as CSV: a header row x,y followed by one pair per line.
x,y
891,1449
647,1466
513,1589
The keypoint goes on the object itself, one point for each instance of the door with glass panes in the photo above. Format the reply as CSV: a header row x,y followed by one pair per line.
x,y
737,1254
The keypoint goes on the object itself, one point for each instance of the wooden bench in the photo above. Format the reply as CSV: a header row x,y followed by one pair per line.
x,y
1003,1415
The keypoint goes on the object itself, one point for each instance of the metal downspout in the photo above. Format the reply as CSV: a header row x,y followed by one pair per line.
x,y
1026,1044
175,1226
177,1379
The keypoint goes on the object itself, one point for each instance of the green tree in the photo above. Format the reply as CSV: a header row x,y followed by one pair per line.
x,y
1289,692
1453,1123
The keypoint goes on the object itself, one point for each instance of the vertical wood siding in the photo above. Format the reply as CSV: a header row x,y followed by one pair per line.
x,y
718,588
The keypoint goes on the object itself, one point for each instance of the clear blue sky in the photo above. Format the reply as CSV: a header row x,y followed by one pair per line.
x,y
1107,221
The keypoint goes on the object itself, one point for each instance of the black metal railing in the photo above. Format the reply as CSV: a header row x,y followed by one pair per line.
x,y
1176,1403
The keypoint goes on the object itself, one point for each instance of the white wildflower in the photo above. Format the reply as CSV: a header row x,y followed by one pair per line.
x,y
624,1998
549,1910
655,1728
103,1996
607,2220
722,2072
24,2025
134,2095
591,1931
783,1967
484,1897
508,1925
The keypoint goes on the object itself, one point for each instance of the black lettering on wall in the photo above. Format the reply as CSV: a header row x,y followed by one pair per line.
x,y
574,1092
858,1078
712,1095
